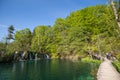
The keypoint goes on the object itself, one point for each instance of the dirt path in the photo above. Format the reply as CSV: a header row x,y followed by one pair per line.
x,y
106,71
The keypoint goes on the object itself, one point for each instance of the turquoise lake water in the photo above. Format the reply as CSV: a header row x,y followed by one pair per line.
x,y
48,70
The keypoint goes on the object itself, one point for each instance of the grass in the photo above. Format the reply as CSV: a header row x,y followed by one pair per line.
x,y
89,60
116,64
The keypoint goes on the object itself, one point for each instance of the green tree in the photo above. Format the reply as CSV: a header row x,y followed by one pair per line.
x,y
23,40
41,40
10,32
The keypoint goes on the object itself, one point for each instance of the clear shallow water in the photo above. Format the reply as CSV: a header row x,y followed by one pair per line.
x,y
48,70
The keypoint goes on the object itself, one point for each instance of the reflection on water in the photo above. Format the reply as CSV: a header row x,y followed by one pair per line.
x,y
48,70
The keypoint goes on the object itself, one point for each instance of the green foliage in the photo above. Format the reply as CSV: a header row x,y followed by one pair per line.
x,y
10,32
42,38
2,46
118,56
89,60
116,64
90,30
23,40
93,28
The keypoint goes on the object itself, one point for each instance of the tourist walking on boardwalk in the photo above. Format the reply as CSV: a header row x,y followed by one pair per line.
x,y
108,55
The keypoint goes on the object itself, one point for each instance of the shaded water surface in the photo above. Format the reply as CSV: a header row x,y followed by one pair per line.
x,y
48,70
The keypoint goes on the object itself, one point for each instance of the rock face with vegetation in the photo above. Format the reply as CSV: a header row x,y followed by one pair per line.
x,y
90,31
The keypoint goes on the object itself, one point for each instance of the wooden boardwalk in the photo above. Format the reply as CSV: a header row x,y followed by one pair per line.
x,y
106,71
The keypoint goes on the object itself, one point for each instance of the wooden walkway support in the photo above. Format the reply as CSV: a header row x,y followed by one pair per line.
x,y
106,71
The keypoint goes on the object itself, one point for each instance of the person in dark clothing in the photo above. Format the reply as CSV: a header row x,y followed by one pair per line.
x,y
108,55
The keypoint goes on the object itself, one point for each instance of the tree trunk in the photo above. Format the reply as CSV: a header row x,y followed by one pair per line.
x,y
119,5
115,13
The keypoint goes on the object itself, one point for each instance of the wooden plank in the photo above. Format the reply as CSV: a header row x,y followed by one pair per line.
x,y
106,71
